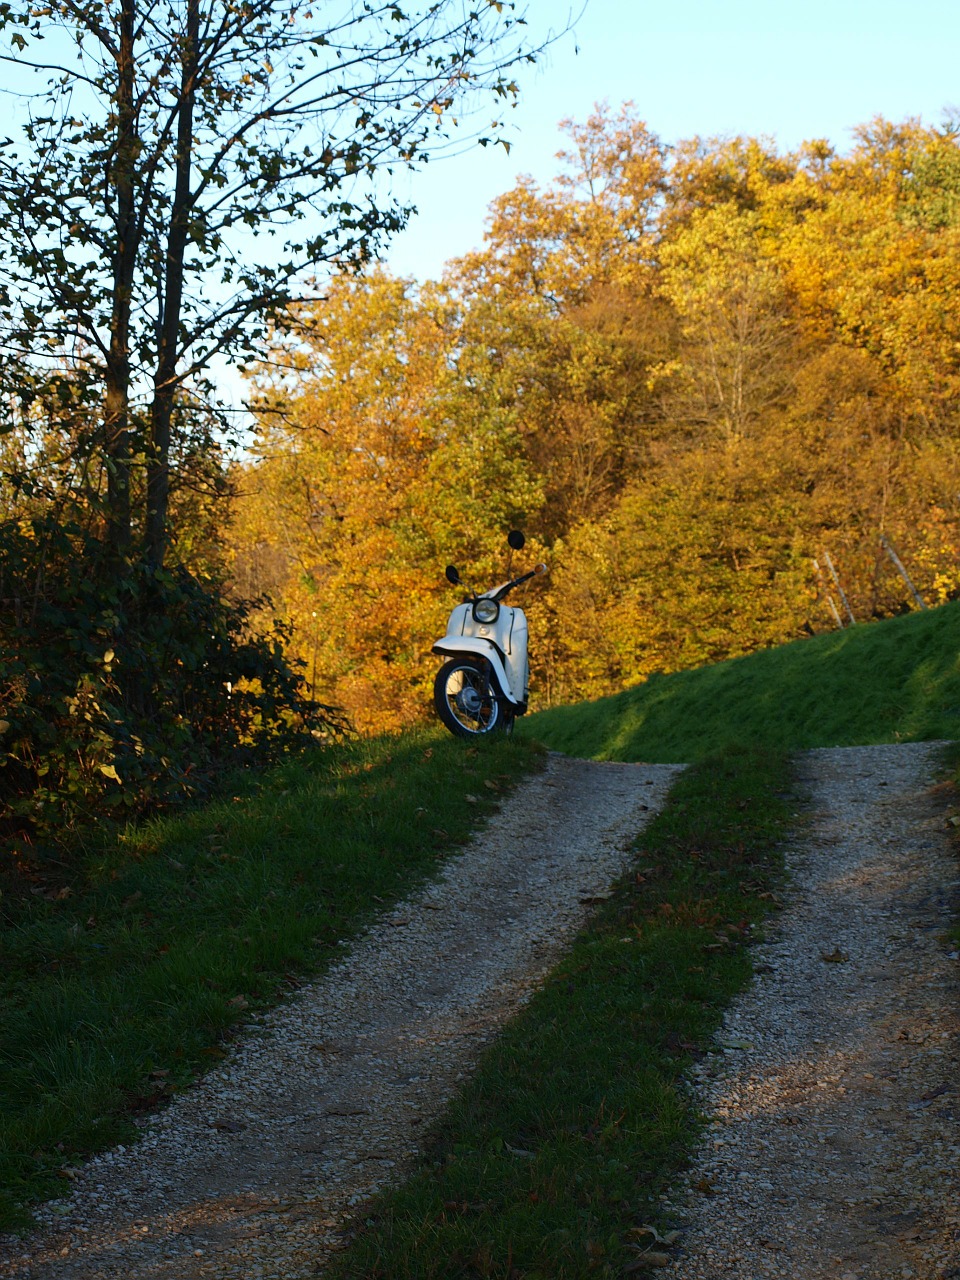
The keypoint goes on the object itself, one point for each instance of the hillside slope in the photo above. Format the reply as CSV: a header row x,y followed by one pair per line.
x,y
888,681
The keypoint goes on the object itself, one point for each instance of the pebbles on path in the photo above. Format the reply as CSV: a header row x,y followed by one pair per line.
x,y
250,1175
834,1144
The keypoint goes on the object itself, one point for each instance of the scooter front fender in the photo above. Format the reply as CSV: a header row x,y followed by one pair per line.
x,y
467,646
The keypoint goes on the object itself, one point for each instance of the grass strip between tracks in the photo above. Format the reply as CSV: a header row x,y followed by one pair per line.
x,y
552,1162
124,974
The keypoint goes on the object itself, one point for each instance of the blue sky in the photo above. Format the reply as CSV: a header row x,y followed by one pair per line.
x,y
707,67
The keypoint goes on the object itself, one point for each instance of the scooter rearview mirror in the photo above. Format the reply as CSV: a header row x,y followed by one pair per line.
x,y
516,539
452,574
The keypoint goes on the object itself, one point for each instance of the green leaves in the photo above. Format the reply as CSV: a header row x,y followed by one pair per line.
x,y
128,688
150,232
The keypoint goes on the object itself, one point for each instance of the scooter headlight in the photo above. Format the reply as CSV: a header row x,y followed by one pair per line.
x,y
486,610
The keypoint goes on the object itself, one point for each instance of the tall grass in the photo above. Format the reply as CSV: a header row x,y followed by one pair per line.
x,y
889,681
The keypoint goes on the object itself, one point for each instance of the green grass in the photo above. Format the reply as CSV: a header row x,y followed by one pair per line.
x,y
883,682
123,978
551,1163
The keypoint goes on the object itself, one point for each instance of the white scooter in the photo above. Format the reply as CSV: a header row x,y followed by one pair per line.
x,y
483,686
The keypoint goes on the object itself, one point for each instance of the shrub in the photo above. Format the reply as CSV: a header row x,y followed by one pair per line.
x,y
124,687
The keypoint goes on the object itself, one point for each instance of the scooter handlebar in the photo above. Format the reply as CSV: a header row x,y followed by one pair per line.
x,y
524,577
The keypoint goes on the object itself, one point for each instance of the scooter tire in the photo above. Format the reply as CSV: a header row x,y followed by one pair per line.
x,y
453,709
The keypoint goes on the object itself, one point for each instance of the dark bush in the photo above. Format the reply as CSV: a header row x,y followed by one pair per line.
x,y
124,688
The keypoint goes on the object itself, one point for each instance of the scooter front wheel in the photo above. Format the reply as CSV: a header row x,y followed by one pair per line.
x,y
465,700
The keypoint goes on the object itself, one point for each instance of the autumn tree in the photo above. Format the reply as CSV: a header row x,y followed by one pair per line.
x,y
188,167
738,348
595,225
564,297
870,259
736,173
379,460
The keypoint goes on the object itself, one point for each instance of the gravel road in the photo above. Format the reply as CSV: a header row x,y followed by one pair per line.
x,y
834,1149
251,1174
834,1093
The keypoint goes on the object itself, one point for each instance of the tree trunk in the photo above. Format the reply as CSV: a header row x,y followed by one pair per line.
x,y
165,384
117,390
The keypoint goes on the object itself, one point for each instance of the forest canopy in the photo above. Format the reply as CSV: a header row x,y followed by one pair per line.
x,y
715,383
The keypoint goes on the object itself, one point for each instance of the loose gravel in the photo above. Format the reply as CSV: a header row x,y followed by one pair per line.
x,y
252,1174
834,1147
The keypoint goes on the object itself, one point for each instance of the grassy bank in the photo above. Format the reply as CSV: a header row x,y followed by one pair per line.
x,y
552,1161
883,682
124,977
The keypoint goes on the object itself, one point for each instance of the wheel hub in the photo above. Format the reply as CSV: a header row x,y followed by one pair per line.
x,y
469,701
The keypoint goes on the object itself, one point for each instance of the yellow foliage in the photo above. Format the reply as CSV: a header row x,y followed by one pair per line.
x,y
687,372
